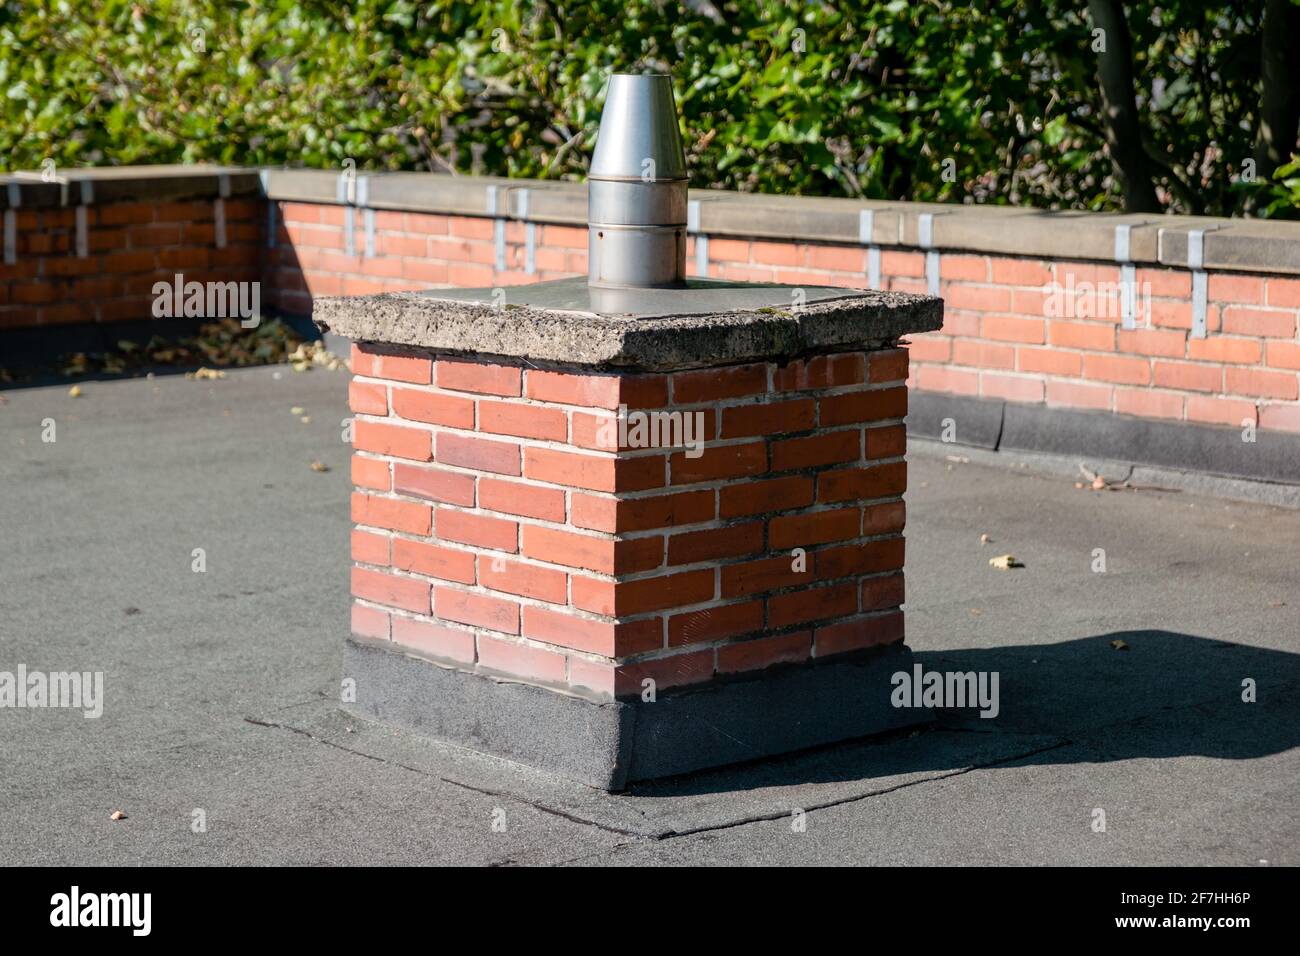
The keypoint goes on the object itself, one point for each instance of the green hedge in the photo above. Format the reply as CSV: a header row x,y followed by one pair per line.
x,y
861,99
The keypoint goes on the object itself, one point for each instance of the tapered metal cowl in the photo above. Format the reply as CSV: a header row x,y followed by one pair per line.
x,y
636,190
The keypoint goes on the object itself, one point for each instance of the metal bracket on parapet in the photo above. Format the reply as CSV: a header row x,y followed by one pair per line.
x,y
1200,280
530,232
1127,276
701,240
11,223
925,237
83,237
866,230
495,210
345,193
367,214
272,209
219,210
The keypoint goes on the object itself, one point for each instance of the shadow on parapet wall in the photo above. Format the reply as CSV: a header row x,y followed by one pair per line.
x,y
1159,695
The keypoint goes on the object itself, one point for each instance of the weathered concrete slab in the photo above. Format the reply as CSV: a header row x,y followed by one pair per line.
x,y
707,323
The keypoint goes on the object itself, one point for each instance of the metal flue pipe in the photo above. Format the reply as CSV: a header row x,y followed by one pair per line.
x,y
636,189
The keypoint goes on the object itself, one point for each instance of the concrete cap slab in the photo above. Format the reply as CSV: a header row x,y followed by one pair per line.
x,y
709,322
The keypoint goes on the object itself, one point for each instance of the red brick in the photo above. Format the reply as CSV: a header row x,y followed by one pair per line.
x,y
1153,342
1219,411
759,497
520,498
450,487
1283,355
711,384
889,365
877,481
570,630
821,371
974,268
715,623
369,622
894,263
1025,272
408,594
398,368
713,544
367,398
818,527
524,421
434,639
881,593
642,514
391,513
395,440
478,610
521,660
1010,328
1225,287
369,548
1076,395
1260,384
1074,334
370,473
930,348
475,529
976,298
858,633
812,604
434,561
433,407
870,557
481,377
594,552
675,671
1273,325
527,580
887,442
1186,375
470,451
773,418
594,472
567,388
651,594
1218,349
1284,293
1148,403
826,448
765,574
776,253
1280,417
983,354
1115,368
718,462
764,652
866,406
835,258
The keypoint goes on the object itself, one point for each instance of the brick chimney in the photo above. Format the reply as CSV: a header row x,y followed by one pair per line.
x,y
629,525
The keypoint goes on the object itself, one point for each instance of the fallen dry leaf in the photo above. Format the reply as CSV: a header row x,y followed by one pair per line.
x,y
319,466
985,539
297,410
1099,483
205,373
1005,562
1119,645
75,391
118,815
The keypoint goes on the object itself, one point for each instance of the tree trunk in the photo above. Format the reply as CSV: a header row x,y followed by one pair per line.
x,y
1123,132
1279,108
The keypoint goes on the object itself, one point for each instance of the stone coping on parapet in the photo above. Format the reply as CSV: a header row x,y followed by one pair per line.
x,y
1227,245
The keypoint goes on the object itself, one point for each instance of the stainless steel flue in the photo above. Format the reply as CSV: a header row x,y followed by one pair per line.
x,y
636,190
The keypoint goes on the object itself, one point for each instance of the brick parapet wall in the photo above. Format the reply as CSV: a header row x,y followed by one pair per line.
x,y
1013,331
500,526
